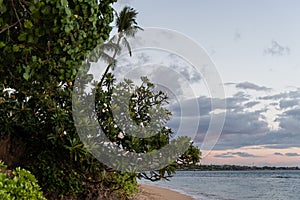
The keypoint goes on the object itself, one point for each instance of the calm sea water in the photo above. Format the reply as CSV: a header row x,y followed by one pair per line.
x,y
236,185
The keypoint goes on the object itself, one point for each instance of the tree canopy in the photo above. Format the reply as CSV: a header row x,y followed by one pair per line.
x,y
42,46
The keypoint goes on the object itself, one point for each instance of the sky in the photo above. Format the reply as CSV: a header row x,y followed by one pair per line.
x,y
255,47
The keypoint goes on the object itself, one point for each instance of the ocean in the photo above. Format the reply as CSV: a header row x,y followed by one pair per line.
x,y
235,185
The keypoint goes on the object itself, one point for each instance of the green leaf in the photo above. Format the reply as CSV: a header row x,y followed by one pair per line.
x,y
28,24
30,39
32,7
26,76
67,29
16,48
2,44
46,10
68,12
2,7
34,58
64,2
22,37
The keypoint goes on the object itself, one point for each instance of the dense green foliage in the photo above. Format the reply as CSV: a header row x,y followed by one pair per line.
x,y
146,107
141,102
42,46
21,185
191,156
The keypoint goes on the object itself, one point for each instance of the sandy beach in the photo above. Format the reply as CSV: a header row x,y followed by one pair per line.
x,y
148,192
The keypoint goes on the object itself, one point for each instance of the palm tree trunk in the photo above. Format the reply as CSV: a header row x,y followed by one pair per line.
x,y
110,64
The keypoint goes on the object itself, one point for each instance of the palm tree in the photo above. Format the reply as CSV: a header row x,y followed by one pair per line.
x,y
127,27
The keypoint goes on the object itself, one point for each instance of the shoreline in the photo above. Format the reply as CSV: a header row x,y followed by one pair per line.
x,y
150,192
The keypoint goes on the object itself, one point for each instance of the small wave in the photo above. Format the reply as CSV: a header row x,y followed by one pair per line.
x,y
283,177
204,196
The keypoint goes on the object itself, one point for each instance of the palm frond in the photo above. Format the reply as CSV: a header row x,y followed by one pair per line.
x,y
113,39
101,55
105,57
109,47
126,44
126,19
130,32
104,52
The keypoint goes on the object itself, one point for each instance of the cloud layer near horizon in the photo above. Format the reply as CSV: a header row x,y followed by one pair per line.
x,y
249,120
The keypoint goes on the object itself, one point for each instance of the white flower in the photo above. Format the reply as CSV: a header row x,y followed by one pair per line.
x,y
120,135
9,91
27,98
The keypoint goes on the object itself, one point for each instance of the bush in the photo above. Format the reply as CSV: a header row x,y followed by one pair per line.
x,y
20,184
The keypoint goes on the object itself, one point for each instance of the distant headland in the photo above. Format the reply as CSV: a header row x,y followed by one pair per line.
x,y
233,168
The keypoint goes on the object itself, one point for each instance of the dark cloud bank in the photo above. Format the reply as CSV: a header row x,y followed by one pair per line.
x,y
247,127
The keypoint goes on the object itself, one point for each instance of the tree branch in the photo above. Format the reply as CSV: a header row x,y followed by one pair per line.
x,y
8,27
16,13
24,7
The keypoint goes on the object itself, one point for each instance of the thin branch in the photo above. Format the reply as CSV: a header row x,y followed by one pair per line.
x,y
19,20
8,27
24,7
16,13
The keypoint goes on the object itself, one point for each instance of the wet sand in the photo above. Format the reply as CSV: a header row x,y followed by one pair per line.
x,y
148,192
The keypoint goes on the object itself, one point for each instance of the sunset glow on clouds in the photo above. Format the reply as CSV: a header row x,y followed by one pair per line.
x,y
258,156
256,135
